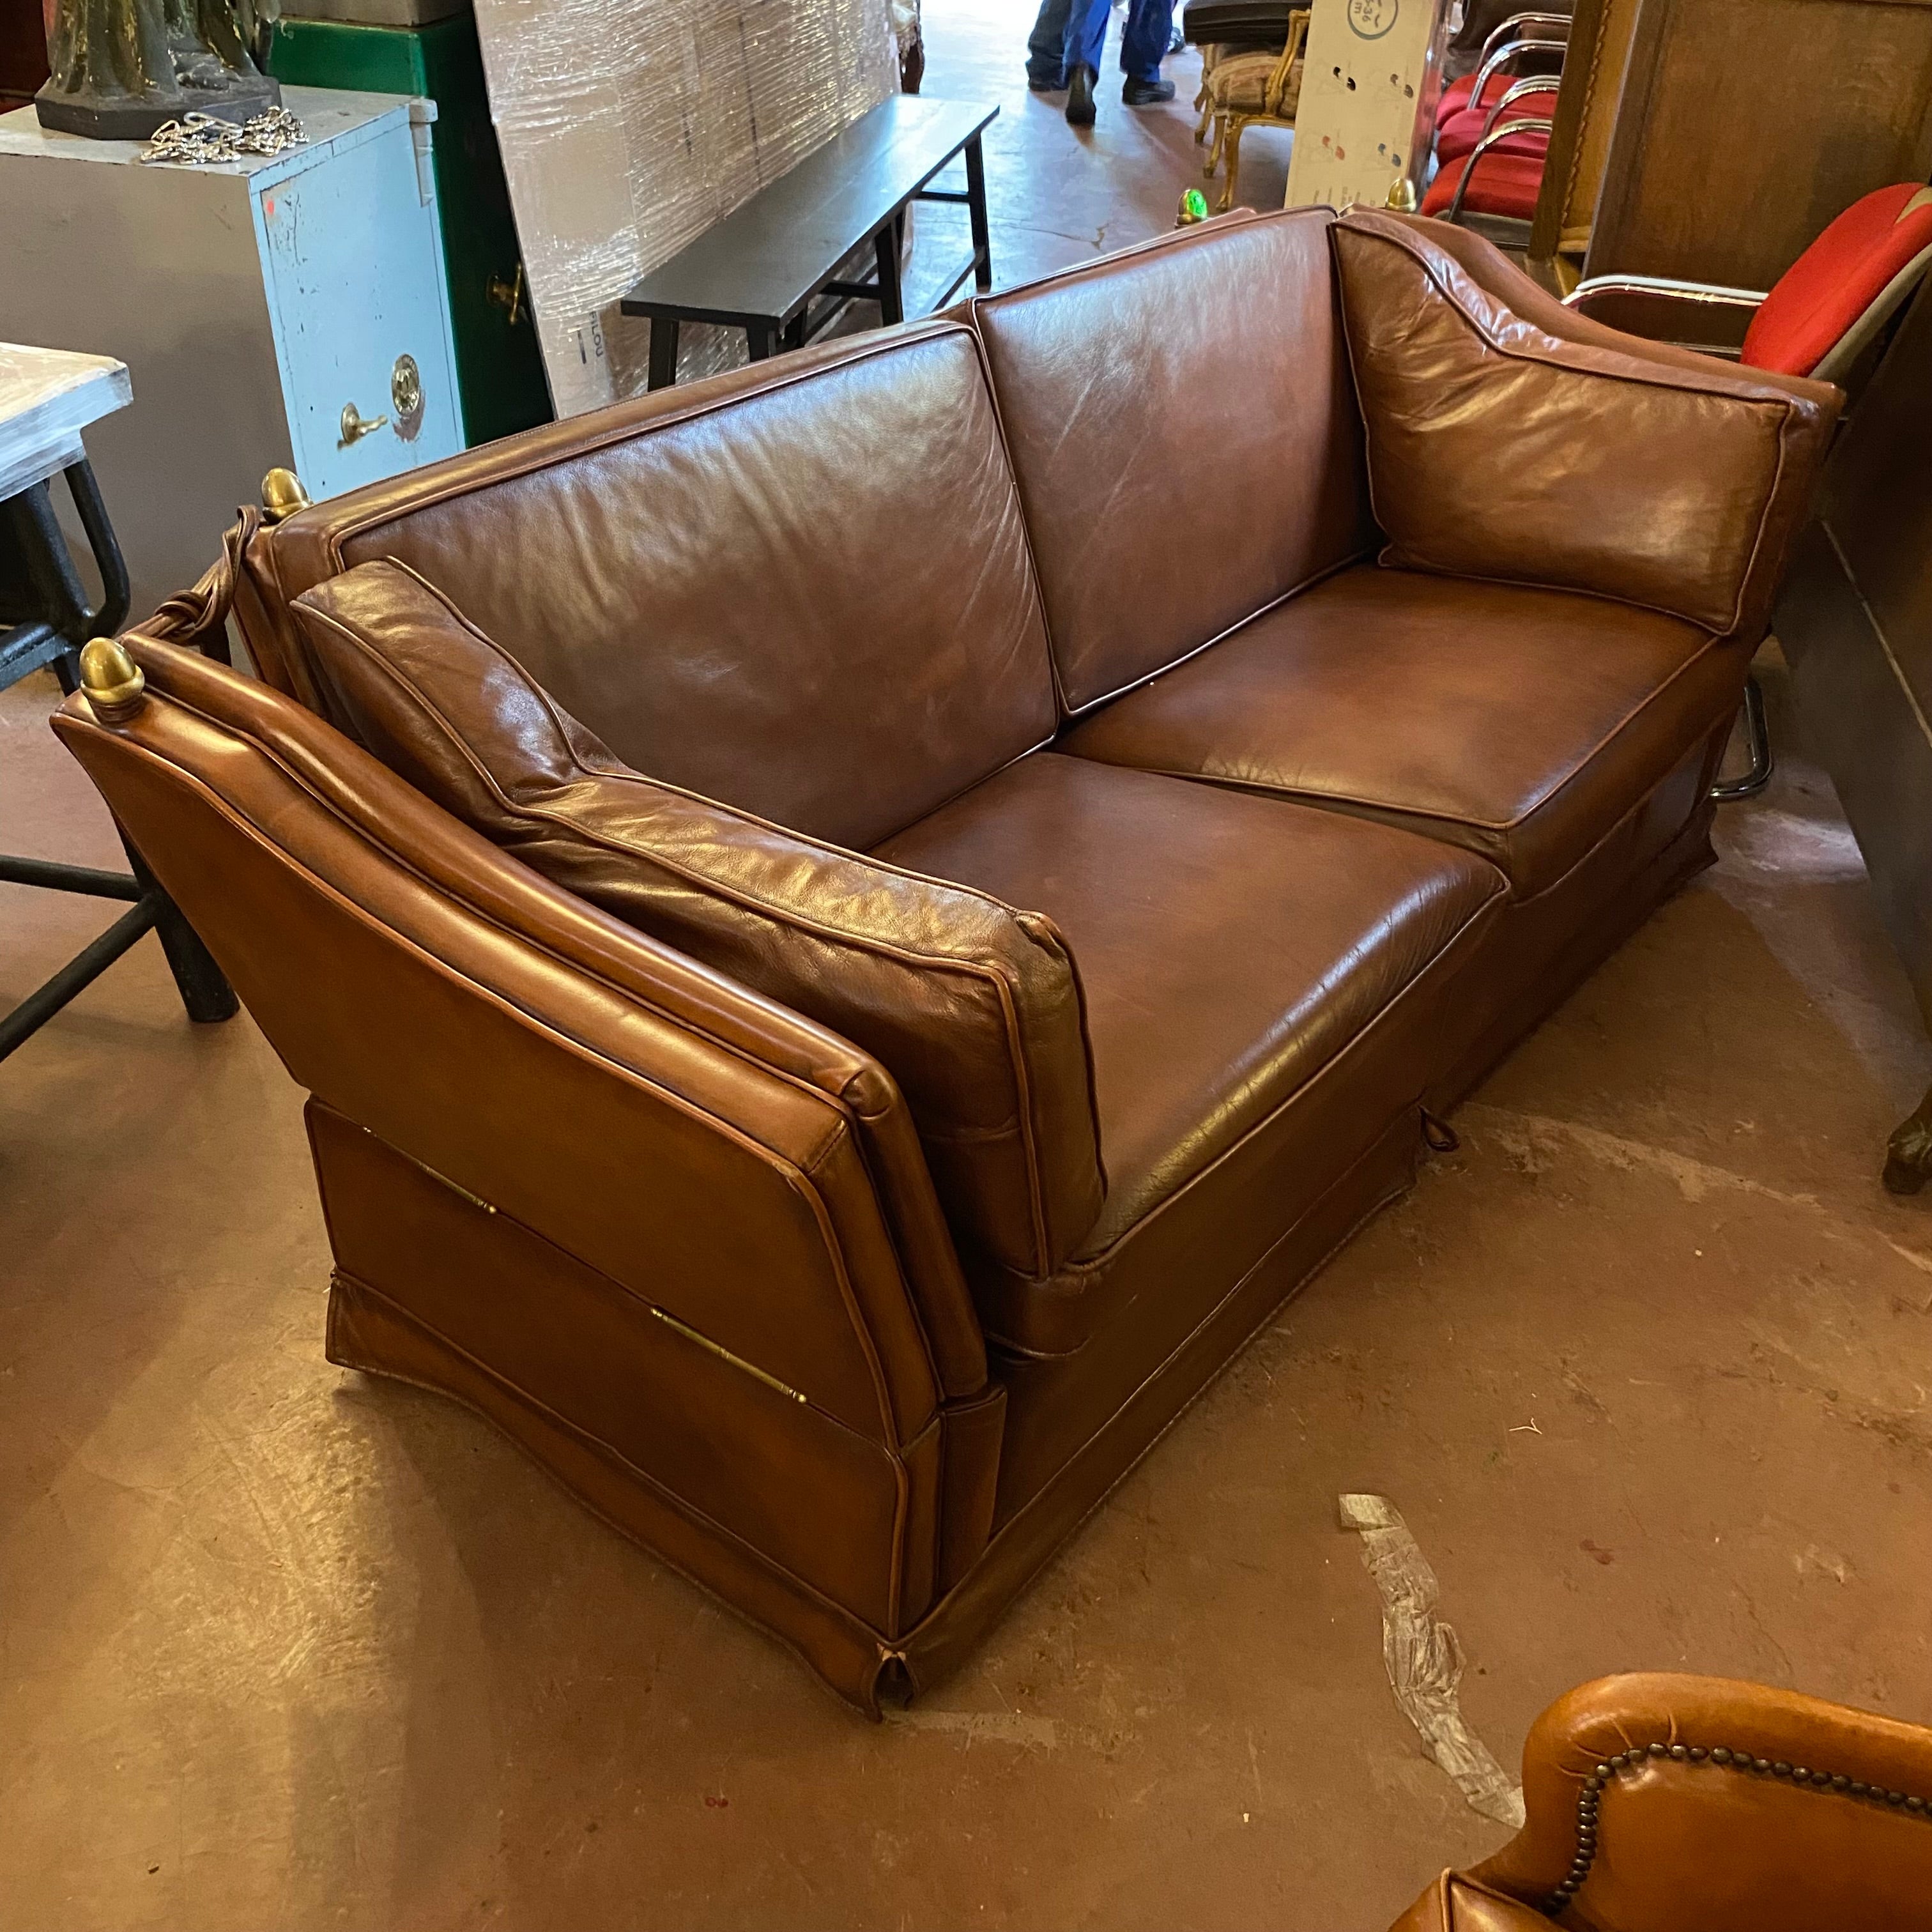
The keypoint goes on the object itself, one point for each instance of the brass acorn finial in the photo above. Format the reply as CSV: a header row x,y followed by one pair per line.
x,y
1402,196
111,679
282,496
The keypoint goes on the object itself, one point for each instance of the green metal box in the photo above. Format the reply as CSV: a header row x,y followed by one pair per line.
x,y
498,363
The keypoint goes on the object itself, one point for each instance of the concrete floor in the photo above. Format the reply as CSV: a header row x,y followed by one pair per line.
x,y
1645,1366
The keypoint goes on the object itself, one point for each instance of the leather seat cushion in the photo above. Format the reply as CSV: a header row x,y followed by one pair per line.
x,y
1229,947
1519,724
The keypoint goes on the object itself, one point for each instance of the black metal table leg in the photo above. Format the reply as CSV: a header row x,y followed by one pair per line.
x,y
663,372
204,989
758,340
976,211
886,247
34,551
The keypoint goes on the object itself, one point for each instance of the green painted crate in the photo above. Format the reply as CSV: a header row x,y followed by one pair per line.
x,y
498,363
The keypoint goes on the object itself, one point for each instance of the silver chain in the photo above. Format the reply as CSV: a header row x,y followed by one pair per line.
x,y
203,137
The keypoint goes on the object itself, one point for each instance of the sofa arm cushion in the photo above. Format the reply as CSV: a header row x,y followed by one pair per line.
x,y
973,1006
1506,442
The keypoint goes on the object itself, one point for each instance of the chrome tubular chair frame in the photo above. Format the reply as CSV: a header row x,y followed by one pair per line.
x,y
1454,210
1541,83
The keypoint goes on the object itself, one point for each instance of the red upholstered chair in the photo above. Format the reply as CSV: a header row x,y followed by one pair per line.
x,y
1829,310
1500,176
1522,37
1830,306
1456,136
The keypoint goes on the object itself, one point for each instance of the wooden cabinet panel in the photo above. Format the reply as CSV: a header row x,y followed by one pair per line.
x,y
1747,125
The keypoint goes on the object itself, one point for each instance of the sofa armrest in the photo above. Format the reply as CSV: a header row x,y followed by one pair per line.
x,y
1511,439
1646,1805
229,789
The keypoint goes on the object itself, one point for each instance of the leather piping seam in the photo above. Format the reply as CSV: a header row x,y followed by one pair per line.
x,y
1006,443
838,1101
441,889
1799,1777
1091,1266
1070,711
1261,788
1785,405
992,388
1105,264
1351,561
690,1511
1018,1057
931,329
782,1165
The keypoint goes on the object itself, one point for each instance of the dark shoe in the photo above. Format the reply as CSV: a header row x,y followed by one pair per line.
x,y
1058,85
1080,97
1141,94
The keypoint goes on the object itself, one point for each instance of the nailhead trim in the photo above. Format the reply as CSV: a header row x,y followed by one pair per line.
x,y
1793,1774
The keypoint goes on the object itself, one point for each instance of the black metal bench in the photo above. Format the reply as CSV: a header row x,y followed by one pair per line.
x,y
764,267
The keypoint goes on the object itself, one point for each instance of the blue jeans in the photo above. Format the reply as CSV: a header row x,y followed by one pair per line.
x,y
1143,39
1046,45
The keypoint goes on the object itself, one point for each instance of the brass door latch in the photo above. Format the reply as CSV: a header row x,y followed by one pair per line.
x,y
508,295
356,425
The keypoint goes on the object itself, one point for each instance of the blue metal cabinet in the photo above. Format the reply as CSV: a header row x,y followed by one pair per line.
x,y
290,309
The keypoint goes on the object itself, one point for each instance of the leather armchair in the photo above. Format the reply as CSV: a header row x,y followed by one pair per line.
x,y
1678,1804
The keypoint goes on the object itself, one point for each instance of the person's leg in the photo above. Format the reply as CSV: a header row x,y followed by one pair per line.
x,y
1086,35
1144,44
1046,46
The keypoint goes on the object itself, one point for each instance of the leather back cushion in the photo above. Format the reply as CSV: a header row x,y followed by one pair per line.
x,y
803,589
973,1006
1184,431
1499,448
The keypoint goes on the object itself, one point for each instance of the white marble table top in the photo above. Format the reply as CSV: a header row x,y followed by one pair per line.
x,y
47,398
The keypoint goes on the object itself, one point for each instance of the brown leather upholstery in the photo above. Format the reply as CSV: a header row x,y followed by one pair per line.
x,y
1517,722
804,589
651,1193
1498,450
1454,1904
1229,948
1690,1835
974,1004
1187,443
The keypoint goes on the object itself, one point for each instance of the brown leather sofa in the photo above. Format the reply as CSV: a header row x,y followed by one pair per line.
x,y
854,928
1675,1804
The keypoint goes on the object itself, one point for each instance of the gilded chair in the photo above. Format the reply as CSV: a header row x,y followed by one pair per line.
x,y
1241,89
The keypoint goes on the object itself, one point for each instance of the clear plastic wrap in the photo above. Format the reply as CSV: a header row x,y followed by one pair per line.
x,y
629,127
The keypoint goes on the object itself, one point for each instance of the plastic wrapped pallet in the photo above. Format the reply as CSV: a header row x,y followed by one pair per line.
x,y
629,127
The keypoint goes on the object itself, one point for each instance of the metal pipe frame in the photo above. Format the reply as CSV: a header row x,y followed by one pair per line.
x,y
1540,83
1503,28
1452,213
1500,59
1702,294
1757,734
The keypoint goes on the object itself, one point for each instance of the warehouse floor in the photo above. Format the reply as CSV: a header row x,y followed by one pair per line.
x,y
1645,1366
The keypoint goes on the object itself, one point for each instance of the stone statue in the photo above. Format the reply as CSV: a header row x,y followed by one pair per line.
x,y
120,68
